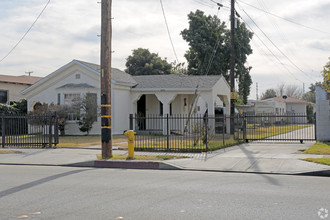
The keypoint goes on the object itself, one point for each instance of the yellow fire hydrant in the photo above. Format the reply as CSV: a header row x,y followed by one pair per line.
x,y
131,138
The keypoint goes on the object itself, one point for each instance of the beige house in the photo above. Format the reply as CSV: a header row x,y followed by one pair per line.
x,y
11,86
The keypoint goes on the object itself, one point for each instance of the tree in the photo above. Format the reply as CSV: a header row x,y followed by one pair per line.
x,y
326,76
209,49
293,91
269,93
8,110
142,62
88,105
280,90
62,112
21,106
310,95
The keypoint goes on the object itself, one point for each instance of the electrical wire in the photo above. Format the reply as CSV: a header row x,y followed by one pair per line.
x,y
25,32
168,31
288,20
272,52
282,34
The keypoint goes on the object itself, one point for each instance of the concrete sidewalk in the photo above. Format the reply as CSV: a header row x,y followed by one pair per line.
x,y
263,157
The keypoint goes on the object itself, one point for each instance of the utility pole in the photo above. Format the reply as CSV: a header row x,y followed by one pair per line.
x,y
303,88
106,32
29,72
232,67
257,95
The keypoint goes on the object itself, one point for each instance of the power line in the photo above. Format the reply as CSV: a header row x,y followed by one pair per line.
x,y
271,52
168,31
25,32
277,46
288,20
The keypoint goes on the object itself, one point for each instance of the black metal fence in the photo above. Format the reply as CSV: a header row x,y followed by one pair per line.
x,y
278,127
29,131
181,133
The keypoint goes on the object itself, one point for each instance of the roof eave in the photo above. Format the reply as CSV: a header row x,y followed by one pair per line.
x,y
168,89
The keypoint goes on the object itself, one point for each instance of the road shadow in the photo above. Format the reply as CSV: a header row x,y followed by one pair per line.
x,y
254,162
38,182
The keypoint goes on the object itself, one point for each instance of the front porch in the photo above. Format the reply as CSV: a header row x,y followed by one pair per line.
x,y
149,107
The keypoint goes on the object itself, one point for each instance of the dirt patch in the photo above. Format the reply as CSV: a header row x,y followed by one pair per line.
x,y
5,151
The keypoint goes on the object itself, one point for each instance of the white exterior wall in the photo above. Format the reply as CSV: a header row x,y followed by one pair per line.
x,y
14,90
152,105
269,107
297,108
322,115
121,108
48,93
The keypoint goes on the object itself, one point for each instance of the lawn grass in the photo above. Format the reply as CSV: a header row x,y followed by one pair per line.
x,y
322,148
184,144
85,141
324,161
5,151
265,132
144,157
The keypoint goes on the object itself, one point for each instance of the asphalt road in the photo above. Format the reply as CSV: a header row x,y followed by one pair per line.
x,y
36,192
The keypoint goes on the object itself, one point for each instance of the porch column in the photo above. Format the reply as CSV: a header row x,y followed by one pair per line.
x,y
166,99
134,99
209,100
225,99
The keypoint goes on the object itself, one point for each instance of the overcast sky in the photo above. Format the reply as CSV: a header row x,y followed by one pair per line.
x,y
69,30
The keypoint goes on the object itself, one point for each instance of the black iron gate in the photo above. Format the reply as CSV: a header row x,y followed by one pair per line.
x,y
284,127
29,131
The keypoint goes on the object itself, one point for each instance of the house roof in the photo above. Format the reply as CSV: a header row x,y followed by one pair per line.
x,y
26,80
288,100
73,86
116,74
175,81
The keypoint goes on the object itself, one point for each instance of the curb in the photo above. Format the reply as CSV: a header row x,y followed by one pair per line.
x,y
127,164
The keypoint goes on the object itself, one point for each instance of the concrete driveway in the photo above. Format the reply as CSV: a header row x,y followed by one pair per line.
x,y
264,157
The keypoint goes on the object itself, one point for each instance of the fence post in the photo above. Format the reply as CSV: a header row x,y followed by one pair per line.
x,y
50,130
206,128
315,126
244,129
3,131
56,130
131,122
167,133
223,128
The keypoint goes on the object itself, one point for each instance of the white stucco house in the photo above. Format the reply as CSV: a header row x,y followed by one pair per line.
x,y
161,94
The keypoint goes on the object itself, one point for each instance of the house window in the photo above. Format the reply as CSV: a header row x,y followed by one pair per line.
x,y
77,76
3,96
160,108
59,98
185,102
70,98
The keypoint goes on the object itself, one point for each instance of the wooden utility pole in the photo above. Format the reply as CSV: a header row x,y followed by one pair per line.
x,y
105,71
232,67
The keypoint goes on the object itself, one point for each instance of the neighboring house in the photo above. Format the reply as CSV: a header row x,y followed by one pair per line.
x,y
293,105
268,106
143,95
278,106
11,86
